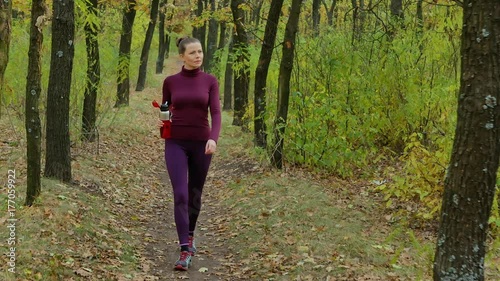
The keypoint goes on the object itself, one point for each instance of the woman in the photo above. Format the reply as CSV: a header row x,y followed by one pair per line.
x,y
191,94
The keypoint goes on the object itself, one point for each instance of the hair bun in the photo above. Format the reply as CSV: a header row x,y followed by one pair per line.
x,y
179,40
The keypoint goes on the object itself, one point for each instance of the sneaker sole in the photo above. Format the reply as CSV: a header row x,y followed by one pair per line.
x,y
181,268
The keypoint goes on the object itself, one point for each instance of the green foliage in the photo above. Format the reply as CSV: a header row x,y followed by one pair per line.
x,y
109,35
420,179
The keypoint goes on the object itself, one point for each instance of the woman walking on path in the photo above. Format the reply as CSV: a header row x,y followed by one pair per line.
x,y
191,94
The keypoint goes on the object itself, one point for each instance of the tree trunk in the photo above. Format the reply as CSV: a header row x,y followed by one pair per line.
x,y
199,31
123,89
89,129
330,12
223,28
228,76
256,13
242,75
211,40
286,67
143,67
5,35
58,154
33,91
316,16
266,53
161,38
469,187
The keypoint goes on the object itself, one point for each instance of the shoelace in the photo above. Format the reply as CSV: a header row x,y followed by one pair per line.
x,y
184,256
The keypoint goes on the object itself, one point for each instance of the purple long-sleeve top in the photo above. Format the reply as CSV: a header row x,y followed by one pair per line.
x,y
191,94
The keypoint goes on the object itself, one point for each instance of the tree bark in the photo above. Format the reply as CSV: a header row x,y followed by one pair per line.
x,y
211,40
123,89
143,67
199,32
33,91
161,38
469,187
89,129
228,76
262,70
286,67
5,36
58,154
316,16
242,75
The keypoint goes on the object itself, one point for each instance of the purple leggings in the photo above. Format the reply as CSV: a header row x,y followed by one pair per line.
x,y
187,166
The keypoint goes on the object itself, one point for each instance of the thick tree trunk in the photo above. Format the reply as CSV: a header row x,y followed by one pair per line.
x,y
211,40
33,91
228,76
89,129
471,177
286,67
161,38
58,154
143,67
242,75
5,35
261,72
123,88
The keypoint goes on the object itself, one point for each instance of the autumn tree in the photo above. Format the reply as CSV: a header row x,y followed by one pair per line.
x,y
123,88
91,27
199,29
261,72
285,73
162,39
211,39
242,58
5,35
469,187
228,76
141,80
32,113
57,157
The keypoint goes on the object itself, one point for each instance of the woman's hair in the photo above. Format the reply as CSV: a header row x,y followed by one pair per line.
x,y
184,41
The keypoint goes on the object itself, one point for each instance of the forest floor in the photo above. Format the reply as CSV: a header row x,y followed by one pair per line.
x,y
115,221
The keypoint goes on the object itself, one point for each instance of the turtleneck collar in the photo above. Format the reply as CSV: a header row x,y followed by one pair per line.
x,y
190,72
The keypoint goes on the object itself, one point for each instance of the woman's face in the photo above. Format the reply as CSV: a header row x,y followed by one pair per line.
x,y
193,56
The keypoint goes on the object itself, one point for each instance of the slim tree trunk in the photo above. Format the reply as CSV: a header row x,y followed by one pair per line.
x,y
315,16
262,70
5,35
58,154
228,76
242,75
33,90
286,67
211,40
123,89
143,67
469,187
89,129
199,31
223,28
161,38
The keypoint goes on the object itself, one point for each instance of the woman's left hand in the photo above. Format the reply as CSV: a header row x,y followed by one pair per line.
x,y
210,147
